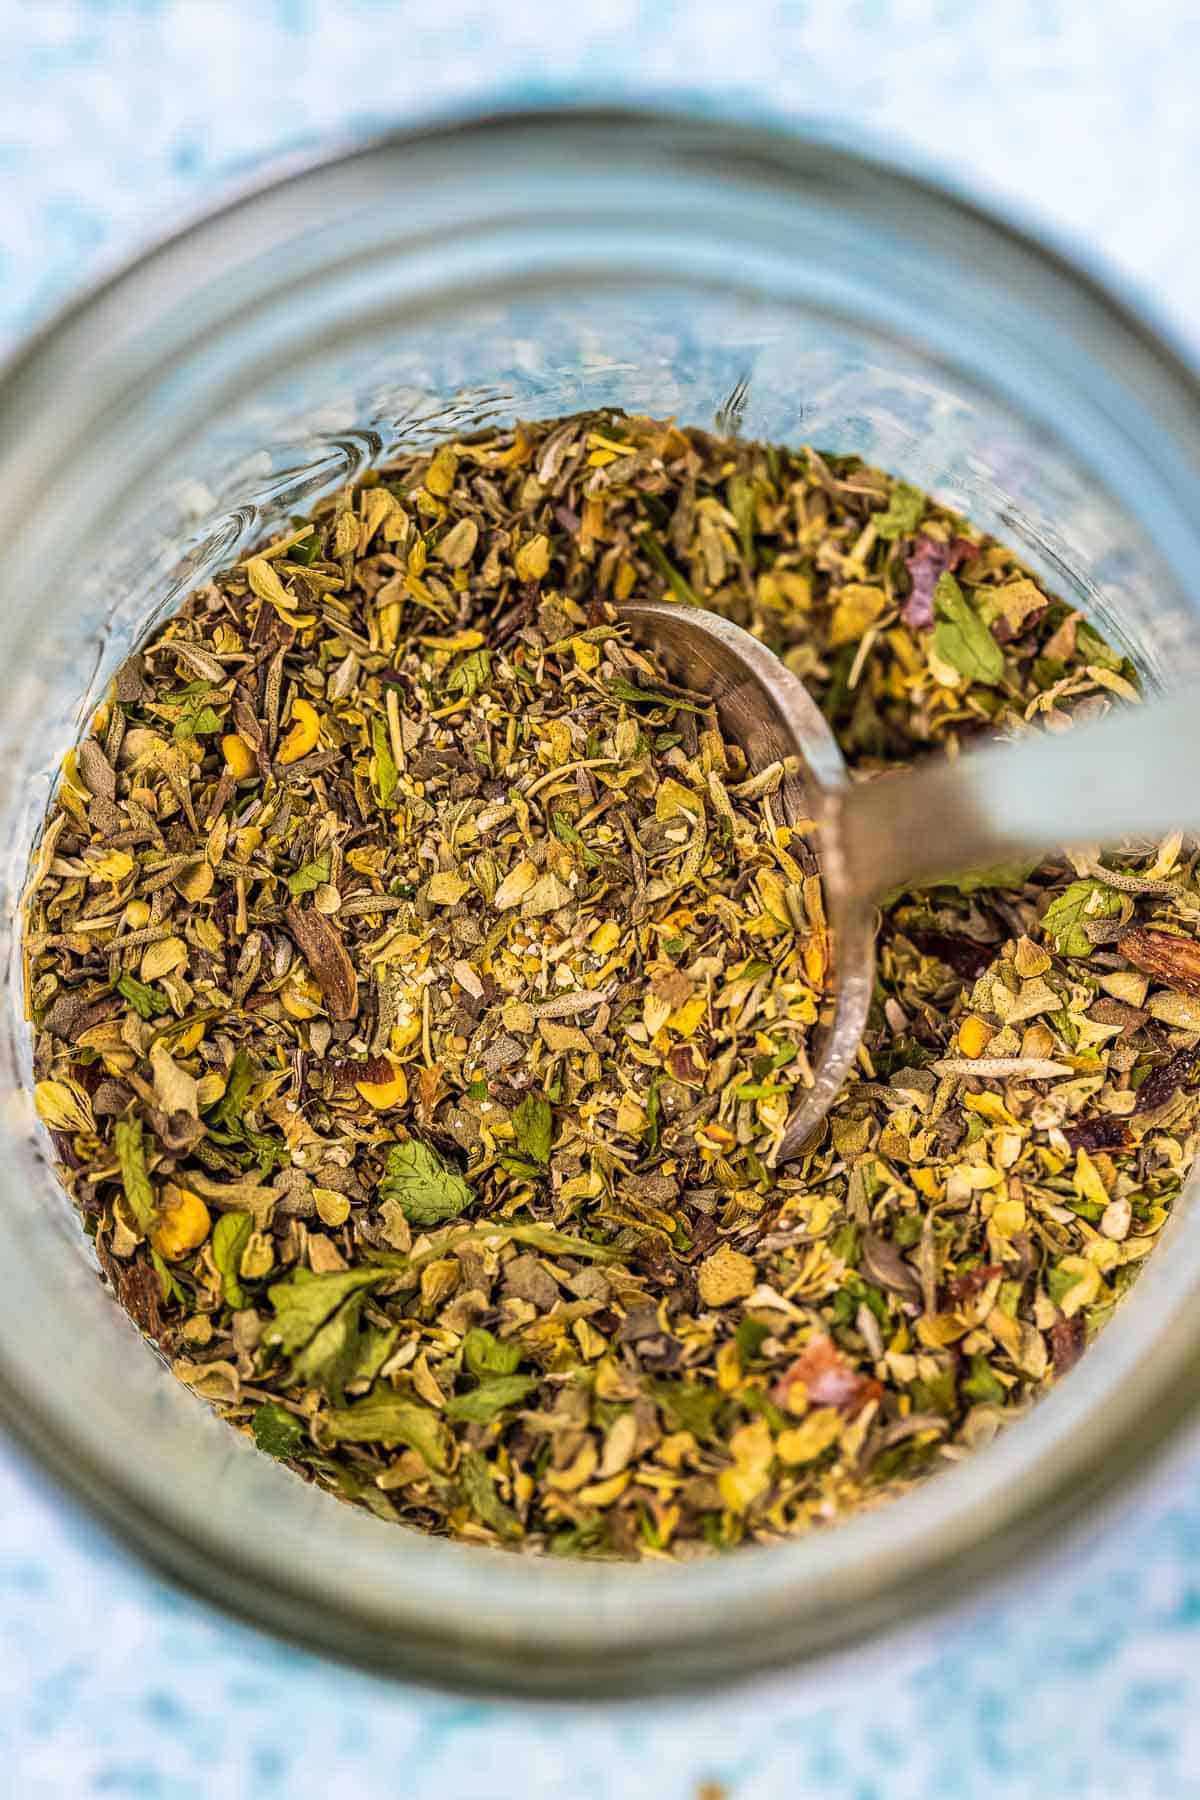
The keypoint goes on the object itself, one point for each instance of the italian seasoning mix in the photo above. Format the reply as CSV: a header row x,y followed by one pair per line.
x,y
421,984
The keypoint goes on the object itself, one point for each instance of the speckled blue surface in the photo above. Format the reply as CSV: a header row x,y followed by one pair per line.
x,y
112,116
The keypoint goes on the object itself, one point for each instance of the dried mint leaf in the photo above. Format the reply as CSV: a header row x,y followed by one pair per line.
x,y
332,1356
902,514
688,1405
471,674
227,1115
638,696
386,772
479,1492
147,1002
312,875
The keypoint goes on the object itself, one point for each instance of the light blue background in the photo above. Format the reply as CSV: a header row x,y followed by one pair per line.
x,y
1083,1682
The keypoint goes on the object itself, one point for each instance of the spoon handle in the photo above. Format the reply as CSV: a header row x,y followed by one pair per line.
x,y
1135,774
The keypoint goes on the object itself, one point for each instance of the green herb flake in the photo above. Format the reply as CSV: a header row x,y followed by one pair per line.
x,y
428,1191
960,636
303,1301
389,1419
231,1234
902,514
278,1431
479,1492
131,1154
533,1127
386,773
147,1002
492,1397
1065,918
313,875
484,1354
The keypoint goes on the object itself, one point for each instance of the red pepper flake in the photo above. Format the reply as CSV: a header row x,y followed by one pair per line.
x,y
1162,1083
966,1286
1108,1133
1066,1343
375,1069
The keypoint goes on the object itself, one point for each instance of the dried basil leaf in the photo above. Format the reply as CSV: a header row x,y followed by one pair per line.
x,y
533,1127
484,1354
493,1396
127,1137
278,1431
303,1301
1065,917
387,1418
231,1234
427,1190
960,636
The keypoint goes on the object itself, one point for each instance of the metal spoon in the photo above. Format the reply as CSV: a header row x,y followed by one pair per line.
x,y
1133,775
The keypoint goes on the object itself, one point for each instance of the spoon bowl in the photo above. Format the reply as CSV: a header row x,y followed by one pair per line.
x,y
769,712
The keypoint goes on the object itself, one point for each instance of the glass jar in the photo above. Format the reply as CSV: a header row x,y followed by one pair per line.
x,y
426,285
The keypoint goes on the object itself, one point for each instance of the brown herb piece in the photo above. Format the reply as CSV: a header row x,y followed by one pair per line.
x,y
1165,955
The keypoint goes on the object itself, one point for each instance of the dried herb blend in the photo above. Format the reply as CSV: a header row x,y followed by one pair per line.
x,y
420,985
